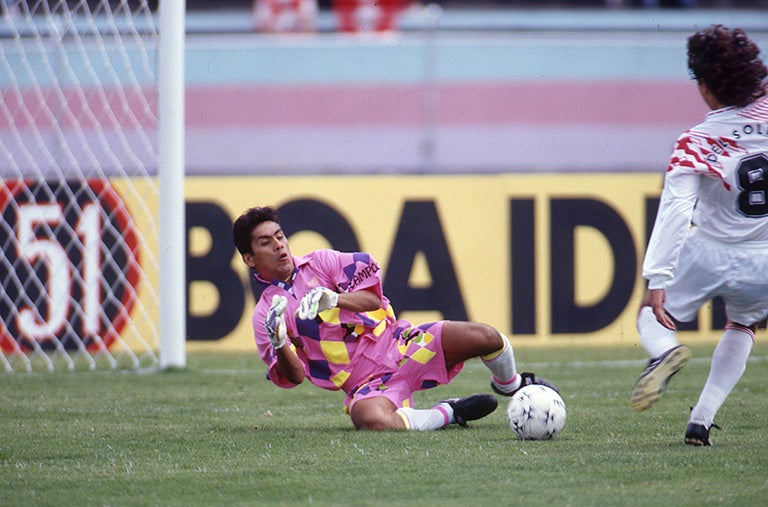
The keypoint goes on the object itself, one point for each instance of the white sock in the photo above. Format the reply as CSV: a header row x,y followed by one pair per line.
x,y
427,419
502,366
729,360
656,338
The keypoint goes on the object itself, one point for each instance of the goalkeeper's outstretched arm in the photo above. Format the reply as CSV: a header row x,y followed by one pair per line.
x,y
289,365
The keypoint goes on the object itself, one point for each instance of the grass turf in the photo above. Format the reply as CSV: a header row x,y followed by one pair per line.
x,y
217,433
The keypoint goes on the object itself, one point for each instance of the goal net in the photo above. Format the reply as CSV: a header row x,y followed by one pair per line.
x,y
79,198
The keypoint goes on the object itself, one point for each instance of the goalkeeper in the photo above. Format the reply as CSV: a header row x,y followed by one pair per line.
x,y
323,317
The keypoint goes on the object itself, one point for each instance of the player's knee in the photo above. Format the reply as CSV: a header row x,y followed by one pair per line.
x,y
362,422
465,340
372,415
488,339
480,339
739,326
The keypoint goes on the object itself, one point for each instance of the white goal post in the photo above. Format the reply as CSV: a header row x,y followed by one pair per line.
x,y
92,185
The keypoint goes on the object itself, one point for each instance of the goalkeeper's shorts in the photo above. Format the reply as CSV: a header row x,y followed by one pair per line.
x,y
422,366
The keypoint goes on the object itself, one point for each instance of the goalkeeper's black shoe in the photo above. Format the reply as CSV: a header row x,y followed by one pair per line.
x,y
472,407
698,434
653,381
526,379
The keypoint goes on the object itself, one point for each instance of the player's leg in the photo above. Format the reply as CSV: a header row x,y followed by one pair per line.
x,y
746,300
465,340
655,338
450,411
705,270
696,281
668,356
379,413
376,413
386,402
729,361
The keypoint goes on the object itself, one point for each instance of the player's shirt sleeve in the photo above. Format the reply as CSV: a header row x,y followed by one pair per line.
x,y
673,219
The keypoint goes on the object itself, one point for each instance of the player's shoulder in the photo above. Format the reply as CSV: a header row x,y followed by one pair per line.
x,y
319,255
756,110
324,254
322,260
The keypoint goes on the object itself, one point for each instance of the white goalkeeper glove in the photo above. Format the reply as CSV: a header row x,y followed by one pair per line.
x,y
315,301
275,322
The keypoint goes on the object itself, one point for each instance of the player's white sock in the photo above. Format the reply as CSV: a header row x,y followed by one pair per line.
x,y
729,360
656,338
502,366
427,419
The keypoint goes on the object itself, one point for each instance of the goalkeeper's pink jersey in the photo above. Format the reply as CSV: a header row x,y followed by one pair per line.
x,y
340,348
717,179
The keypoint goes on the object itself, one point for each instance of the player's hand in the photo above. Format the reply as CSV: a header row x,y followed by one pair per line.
x,y
315,301
275,322
657,298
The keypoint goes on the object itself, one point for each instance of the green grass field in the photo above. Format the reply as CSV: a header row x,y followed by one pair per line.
x,y
217,433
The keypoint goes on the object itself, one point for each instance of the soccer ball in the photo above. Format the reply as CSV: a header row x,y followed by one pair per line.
x,y
536,412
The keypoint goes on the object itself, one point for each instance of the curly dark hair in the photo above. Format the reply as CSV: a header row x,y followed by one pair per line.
x,y
728,63
247,222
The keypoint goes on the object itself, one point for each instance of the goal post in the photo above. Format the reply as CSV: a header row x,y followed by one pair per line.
x,y
171,163
91,185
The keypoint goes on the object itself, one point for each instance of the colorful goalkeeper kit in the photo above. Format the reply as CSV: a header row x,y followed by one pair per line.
x,y
363,354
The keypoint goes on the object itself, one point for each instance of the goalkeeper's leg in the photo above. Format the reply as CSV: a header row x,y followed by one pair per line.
x,y
504,376
465,340
379,412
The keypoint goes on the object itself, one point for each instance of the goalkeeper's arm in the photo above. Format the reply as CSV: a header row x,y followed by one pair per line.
x,y
360,301
320,299
289,365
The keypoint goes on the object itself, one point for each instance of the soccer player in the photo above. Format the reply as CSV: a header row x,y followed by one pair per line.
x,y
711,232
323,317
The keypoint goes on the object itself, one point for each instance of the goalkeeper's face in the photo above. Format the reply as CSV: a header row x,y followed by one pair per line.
x,y
270,254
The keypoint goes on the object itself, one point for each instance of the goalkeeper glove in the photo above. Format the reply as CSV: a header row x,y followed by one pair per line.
x,y
275,322
315,301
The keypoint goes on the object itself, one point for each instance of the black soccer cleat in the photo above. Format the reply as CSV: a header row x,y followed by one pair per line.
x,y
472,407
526,379
654,379
698,434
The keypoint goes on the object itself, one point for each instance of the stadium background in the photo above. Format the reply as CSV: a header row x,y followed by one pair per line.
x,y
501,163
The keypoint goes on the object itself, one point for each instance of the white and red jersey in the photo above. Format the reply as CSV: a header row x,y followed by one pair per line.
x,y
717,180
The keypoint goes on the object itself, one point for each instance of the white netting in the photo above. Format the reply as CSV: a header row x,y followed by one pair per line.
x,y
79,198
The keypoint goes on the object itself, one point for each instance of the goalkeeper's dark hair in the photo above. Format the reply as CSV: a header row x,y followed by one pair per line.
x,y
728,63
247,222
